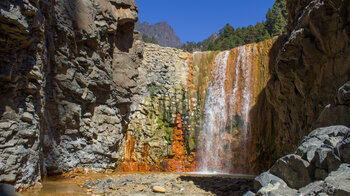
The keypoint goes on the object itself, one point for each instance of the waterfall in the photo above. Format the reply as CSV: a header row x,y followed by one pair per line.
x,y
223,137
214,116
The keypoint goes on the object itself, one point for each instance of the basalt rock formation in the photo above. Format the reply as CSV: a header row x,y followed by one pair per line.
x,y
311,65
68,76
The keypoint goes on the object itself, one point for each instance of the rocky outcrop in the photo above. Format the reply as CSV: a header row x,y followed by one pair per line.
x,y
320,165
312,64
68,76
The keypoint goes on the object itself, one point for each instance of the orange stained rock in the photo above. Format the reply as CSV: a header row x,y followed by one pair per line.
x,y
179,161
178,146
129,146
130,166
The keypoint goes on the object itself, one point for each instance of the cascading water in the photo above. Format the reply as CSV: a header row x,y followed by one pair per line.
x,y
214,116
225,119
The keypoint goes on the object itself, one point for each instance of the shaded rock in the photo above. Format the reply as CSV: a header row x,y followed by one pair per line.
x,y
325,161
249,193
8,190
293,170
343,96
334,115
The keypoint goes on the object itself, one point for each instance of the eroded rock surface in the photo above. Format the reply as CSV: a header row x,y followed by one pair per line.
x,y
68,75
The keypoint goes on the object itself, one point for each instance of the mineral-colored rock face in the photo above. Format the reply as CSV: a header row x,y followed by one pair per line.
x,y
178,147
177,82
311,66
68,75
179,160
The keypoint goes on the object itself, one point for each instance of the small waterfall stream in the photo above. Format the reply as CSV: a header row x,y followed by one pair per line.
x,y
226,112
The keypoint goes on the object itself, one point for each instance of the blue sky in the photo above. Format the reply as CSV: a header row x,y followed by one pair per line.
x,y
195,20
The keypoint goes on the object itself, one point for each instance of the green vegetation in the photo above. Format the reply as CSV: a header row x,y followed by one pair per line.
x,y
147,39
228,37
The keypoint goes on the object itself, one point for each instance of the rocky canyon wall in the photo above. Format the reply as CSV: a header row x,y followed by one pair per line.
x,y
80,90
312,63
68,75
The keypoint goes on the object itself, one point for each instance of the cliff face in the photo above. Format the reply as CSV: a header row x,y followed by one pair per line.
x,y
312,64
68,75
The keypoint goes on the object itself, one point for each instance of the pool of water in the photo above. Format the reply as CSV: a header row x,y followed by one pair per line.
x,y
64,185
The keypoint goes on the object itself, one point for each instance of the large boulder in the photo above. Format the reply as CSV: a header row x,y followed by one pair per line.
x,y
293,170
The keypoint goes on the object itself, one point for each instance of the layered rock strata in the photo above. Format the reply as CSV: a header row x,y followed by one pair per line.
x,y
68,75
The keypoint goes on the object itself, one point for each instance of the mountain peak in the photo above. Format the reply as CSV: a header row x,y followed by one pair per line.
x,y
161,31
